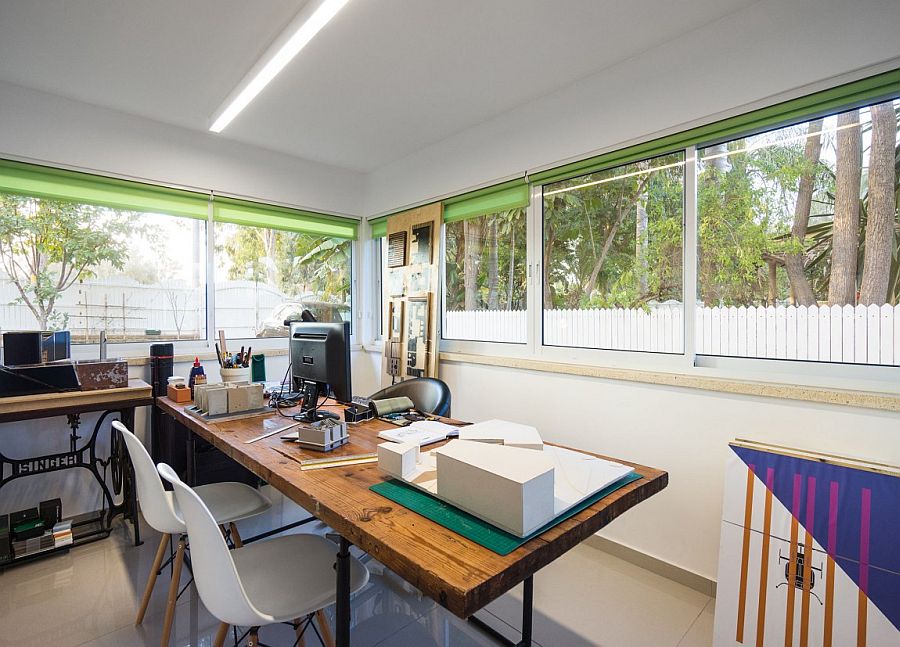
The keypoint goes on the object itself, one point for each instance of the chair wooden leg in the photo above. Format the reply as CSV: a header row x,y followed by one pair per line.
x,y
151,579
173,593
324,628
298,631
253,637
235,536
221,634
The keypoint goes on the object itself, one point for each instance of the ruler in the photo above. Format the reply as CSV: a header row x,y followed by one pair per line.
x,y
272,433
338,461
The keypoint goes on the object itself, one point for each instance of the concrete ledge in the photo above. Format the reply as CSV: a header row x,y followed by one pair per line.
x,y
820,394
145,361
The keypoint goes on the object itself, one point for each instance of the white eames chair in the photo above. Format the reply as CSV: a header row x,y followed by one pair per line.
x,y
228,503
286,579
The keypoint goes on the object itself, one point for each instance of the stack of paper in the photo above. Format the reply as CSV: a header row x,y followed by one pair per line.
x,y
423,432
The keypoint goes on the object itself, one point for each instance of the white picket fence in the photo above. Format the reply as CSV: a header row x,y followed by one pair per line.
x,y
855,334
126,308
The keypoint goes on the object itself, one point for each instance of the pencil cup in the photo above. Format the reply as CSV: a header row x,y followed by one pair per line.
x,y
235,374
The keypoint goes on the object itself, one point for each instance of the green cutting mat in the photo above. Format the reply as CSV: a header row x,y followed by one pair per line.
x,y
470,527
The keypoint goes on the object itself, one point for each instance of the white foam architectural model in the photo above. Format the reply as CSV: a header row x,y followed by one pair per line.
x,y
510,486
503,432
513,487
400,460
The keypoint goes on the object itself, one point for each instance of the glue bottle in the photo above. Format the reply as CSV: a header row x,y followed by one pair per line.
x,y
196,371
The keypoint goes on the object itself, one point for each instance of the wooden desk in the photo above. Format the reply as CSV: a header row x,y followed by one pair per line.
x,y
72,404
456,572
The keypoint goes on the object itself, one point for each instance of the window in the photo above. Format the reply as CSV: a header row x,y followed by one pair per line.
x,y
485,277
798,242
612,258
380,271
266,276
91,253
88,268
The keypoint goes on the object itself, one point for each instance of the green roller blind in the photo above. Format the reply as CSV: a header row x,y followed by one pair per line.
x,y
500,197
59,184
850,95
379,227
256,214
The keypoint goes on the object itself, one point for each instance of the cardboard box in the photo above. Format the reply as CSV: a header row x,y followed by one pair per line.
x,y
510,487
503,432
398,459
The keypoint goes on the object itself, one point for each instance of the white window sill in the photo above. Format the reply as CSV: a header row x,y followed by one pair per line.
x,y
881,400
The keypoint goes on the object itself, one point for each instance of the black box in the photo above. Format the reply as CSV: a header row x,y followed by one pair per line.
x,y
5,539
22,347
357,413
51,512
56,345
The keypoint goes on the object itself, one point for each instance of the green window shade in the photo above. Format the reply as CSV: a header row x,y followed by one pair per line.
x,y
500,197
847,96
379,227
59,184
256,214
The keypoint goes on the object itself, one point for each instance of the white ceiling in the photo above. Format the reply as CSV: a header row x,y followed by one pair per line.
x,y
384,79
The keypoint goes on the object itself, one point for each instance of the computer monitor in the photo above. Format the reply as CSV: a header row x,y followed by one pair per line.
x,y
320,358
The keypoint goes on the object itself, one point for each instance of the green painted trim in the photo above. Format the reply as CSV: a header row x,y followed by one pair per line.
x,y
59,184
378,227
500,197
847,96
257,214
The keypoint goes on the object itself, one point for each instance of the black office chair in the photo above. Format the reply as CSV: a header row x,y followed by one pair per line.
x,y
428,394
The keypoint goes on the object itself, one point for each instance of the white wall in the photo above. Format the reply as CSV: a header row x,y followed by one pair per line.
x,y
680,430
52,129
771,47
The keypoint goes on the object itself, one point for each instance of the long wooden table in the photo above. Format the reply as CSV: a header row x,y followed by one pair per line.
x,y
459,574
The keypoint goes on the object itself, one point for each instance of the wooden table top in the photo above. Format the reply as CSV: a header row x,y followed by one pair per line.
x,y
456,572
45,405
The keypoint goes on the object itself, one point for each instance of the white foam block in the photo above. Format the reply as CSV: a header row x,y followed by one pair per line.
x,y
510,487
400,460
503,432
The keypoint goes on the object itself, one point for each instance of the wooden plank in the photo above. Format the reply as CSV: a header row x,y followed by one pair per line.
x,y
45,405
459,574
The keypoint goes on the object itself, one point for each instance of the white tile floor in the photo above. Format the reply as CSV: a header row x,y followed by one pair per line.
x,y
90,595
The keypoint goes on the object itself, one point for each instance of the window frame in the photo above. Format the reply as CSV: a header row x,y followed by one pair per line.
x,y
869,377
139,349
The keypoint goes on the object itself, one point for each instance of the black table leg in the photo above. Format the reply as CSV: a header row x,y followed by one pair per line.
x,y
527,619
342,603
527,612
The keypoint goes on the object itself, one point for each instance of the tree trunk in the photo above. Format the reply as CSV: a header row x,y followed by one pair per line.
x,y
773,283
545,269
623,210
845,229
472,236
716,156
268,240
882,207
493,273
794,263
512,264
640,246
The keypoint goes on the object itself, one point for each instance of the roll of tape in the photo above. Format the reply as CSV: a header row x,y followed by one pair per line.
x,y
392,405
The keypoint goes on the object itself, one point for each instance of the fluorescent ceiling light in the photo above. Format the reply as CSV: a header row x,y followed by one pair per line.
x,y
302,29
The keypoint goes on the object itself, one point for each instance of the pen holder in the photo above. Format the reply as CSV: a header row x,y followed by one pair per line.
x,y
235,374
